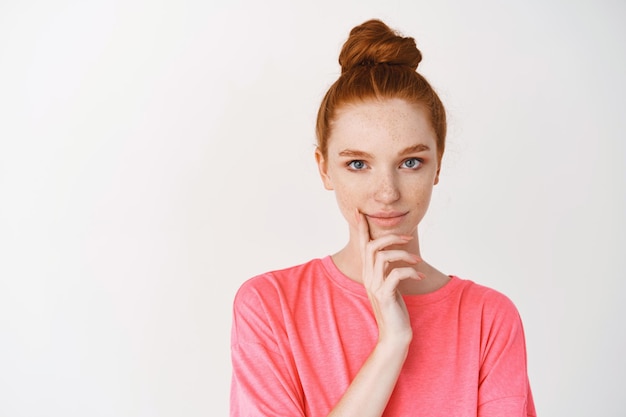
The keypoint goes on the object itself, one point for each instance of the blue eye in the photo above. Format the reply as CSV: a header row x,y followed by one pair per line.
x,y
356,165
412,163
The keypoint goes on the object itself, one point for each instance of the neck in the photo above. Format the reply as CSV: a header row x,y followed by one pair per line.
x,y
348,261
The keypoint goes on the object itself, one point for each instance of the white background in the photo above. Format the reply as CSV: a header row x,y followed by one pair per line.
x,y
156,154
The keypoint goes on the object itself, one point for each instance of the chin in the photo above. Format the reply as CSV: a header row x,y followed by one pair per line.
x,y
376,232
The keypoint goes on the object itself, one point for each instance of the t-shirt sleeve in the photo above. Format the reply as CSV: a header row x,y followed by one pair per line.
x,y
264,379
504,389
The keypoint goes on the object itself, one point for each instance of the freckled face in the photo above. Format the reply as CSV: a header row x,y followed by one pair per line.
x,y
382,161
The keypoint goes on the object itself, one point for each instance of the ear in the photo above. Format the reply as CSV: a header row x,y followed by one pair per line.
x,y
322,166
437,175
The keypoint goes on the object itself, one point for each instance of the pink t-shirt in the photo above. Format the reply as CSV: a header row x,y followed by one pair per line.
x,y
301,334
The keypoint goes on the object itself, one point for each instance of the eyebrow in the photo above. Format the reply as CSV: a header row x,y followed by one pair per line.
x,y
352,153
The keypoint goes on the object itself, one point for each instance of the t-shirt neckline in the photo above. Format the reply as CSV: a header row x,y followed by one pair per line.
x,y
343,281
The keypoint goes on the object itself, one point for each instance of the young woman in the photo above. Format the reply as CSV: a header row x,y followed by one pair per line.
x,y
374,330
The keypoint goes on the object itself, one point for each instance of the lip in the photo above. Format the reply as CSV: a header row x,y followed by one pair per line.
x,y
387,219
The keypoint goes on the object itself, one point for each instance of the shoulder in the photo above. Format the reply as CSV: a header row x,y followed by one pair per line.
x,y
281,283
483,294
491,303
264,304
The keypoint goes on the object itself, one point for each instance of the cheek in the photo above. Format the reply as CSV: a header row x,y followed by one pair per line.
x,y
419,196
421,192
420,200
345,199
348,198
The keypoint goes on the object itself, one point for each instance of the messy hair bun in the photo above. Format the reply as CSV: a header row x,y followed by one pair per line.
x,y
378,64
373,43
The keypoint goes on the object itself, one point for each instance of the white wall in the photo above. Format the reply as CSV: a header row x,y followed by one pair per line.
x,y
155,154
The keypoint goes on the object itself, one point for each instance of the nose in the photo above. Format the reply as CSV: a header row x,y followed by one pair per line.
x,y
386,189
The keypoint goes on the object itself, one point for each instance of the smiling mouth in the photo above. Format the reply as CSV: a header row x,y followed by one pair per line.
x,y
387,219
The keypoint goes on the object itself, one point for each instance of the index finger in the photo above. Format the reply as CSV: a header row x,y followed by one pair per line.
x,y
363,229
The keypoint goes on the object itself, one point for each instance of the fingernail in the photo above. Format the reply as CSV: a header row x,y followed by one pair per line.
x,y
417,258
421,275
406,237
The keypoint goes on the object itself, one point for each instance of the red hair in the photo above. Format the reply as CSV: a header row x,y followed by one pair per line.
x,y
376,64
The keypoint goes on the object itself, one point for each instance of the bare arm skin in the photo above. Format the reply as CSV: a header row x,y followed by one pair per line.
x,y
369,392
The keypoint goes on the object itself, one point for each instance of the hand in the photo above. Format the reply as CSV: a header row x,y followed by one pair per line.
x,y
381,282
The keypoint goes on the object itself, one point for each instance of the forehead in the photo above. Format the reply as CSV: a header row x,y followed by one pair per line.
x,y
381,124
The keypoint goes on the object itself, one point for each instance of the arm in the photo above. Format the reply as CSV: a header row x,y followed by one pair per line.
x,y
262,384
504,389
369,392
265,379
